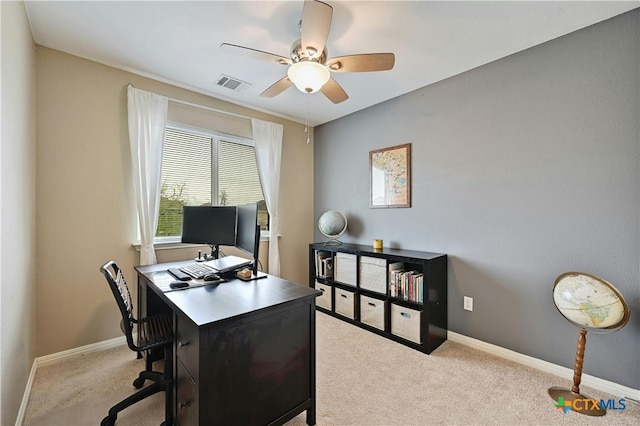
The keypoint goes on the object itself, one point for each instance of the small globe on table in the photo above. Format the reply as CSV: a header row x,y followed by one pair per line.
x,y
332,224
588,302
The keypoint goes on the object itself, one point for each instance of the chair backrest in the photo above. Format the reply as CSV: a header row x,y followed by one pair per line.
x,y
121,293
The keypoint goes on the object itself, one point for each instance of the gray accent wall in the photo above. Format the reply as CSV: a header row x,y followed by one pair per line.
x,y
523,169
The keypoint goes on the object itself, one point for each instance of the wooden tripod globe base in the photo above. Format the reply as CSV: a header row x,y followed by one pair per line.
x,y
586,407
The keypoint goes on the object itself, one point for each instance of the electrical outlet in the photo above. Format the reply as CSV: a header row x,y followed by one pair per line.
x,y
468,303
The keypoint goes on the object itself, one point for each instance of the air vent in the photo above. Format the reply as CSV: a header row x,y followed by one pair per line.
x,y
232,83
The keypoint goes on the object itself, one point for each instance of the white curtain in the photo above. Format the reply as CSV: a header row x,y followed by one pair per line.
x,y
147,121
268,140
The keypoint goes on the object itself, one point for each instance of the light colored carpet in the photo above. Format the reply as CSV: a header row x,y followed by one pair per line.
x,y
362,379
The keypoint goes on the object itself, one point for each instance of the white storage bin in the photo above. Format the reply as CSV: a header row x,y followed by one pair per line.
x,y
324,300
345,303
372,311
373,274
405,323
345,268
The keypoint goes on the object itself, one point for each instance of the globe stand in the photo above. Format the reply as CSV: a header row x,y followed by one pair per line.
x,y
333,242
587,407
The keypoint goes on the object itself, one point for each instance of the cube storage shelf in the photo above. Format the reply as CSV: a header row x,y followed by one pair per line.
x,y
398,294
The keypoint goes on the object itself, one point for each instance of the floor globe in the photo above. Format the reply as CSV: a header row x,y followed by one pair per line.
x,y
332,224
588,302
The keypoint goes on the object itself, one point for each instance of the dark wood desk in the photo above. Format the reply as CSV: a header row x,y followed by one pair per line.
x,y
244,351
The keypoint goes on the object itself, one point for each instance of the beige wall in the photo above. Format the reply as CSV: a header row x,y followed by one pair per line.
x,y
17,208
85,212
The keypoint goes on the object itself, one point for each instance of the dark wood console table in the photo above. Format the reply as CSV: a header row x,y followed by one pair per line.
x,y
244,351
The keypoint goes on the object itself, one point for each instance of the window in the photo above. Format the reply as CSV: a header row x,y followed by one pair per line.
x,y
205,169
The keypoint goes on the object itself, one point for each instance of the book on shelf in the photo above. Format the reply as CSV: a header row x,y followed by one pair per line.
x,y
406,285
324,264
328,267
394,271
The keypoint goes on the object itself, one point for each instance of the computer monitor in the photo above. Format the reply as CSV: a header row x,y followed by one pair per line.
x,y
212,225
248,233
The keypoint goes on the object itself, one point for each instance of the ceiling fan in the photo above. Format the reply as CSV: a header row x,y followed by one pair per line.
x,y
309,68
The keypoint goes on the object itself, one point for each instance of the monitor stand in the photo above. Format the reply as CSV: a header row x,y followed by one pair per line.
x,y
215,253
252,277
247,274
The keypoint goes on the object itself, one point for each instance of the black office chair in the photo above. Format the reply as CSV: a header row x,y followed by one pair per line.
x,y
153,332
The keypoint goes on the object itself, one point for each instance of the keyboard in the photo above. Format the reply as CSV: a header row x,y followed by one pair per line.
x,y
197,270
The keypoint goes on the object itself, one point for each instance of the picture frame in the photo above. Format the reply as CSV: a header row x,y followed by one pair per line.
x,y
390,177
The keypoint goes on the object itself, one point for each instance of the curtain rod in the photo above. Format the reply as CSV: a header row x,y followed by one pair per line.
x,y
219,111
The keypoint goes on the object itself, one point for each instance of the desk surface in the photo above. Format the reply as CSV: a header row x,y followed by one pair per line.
x,y
234,299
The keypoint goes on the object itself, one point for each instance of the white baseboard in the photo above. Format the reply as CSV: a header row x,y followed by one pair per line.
x,y
563,372
94,347
48,359
27,391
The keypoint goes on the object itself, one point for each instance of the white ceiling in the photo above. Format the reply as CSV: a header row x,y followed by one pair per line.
x,y
179,42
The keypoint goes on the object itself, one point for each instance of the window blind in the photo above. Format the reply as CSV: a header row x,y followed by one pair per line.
x,y
205,169
186,167
238,174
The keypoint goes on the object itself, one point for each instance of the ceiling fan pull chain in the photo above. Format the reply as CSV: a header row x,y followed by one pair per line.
x,y
306,128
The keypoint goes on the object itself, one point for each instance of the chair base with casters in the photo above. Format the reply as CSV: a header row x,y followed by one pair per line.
x,y
162,382
153,332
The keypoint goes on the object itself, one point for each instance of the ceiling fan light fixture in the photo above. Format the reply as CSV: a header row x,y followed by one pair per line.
x,y
308,76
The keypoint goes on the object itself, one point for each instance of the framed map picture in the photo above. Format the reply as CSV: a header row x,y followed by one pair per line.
x,y
390,177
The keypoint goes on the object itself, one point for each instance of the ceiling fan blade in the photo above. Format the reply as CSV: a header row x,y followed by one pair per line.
x,y
255,54
277,87
362,63
334,91
316,21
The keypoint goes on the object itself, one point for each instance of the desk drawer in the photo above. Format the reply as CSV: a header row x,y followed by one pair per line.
x,y
186,397
187,344
345,303
324,300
